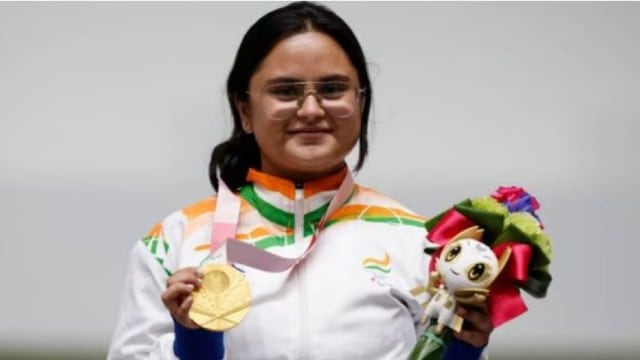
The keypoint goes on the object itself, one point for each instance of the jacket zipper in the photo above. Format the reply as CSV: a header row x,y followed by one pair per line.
x,y
298,225
299,240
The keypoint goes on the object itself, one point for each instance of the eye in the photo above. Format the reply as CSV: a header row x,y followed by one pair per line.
x,y
453,253
333,89
285,91
478,272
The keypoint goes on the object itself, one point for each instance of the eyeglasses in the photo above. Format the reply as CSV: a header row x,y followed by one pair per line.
x,y
281,101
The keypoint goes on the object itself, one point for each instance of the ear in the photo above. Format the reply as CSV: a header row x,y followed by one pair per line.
x,y
503,259
473,232
245,115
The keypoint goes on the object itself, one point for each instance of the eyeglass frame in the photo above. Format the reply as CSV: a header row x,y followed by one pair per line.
x,y
302,98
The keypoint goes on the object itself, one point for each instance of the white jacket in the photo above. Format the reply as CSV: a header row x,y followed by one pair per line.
x,y
358,295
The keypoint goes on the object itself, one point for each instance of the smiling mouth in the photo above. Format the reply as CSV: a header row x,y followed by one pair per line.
x,y
454,272
310,131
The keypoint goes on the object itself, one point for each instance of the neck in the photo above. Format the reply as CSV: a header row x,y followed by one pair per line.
x,y
303,176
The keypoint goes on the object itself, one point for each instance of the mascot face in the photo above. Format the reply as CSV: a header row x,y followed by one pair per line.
x,y
467,263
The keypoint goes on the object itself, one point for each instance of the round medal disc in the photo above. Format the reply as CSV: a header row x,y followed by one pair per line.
x,y
223,299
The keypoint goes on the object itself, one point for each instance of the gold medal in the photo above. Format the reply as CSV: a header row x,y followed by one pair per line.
x,y
223,299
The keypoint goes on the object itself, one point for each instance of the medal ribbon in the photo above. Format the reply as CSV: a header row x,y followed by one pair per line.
x,y
225,222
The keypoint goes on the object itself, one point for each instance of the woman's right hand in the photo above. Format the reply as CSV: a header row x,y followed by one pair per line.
x,y
177,297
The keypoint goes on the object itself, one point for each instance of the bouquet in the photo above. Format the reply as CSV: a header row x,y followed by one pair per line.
x,y
484,249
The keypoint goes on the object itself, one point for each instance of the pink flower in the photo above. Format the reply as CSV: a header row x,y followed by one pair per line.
x,y
516,199
508,193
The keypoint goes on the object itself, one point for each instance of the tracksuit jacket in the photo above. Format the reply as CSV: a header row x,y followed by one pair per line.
x,y
358,295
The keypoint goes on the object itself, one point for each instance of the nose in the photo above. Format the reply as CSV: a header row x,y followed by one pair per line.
x,y
310,107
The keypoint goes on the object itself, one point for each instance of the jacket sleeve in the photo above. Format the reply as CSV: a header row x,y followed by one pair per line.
x,y
460,350
144,327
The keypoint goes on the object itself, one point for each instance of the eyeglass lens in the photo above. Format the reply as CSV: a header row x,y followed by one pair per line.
x,y
282,100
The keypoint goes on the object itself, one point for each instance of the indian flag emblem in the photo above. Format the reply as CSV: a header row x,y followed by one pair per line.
x,y
378,268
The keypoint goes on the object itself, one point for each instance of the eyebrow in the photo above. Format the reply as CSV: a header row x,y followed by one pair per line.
x,y
335,77
289,79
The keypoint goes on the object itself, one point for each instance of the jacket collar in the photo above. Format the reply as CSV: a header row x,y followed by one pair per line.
x,y
287,188
278,199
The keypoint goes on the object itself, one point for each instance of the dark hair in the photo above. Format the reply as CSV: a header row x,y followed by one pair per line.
x,y
236,155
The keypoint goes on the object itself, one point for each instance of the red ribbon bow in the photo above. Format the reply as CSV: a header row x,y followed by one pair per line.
x,y
505,301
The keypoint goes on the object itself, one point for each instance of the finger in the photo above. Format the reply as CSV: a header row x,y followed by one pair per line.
x,y
183,311
182,315
183,275
475,318
189,275
478,306
174,293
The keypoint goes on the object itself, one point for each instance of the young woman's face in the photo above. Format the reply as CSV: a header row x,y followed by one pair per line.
x,y
304,131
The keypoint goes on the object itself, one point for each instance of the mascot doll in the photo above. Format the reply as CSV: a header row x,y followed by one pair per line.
x,y
484,250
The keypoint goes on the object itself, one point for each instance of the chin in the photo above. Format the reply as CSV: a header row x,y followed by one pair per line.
x,y
314,154
318,165
315,158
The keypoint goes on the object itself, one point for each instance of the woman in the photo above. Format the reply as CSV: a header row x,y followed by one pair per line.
x,y
300,96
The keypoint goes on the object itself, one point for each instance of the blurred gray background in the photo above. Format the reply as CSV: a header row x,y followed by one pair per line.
x,y
109,111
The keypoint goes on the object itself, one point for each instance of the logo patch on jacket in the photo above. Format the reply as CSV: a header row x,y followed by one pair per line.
x,y
379,268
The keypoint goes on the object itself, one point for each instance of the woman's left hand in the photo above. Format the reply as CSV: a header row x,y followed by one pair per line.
x,y
477,326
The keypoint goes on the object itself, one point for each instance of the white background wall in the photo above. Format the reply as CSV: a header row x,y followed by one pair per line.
x,y
108,113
